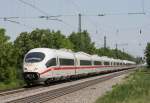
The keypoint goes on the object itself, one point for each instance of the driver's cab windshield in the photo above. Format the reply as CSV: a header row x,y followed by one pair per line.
x,y
34,57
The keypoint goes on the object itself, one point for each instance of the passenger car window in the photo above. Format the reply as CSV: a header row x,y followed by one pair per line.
x,y
66,61
97,63
51,62
34,57
106,63
85,62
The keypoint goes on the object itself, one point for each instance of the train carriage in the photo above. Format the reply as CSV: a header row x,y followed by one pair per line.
x,y
84,63
65,65
46,65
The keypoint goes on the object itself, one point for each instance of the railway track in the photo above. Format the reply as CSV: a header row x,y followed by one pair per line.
x,y
49,95
7,92
19,90
12,91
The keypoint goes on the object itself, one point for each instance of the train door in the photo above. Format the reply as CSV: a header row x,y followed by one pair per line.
x,y
51,65
56,72
76,63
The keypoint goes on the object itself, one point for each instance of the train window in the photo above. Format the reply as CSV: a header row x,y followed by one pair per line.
x,y
117,63
97,63
66,61
106,63
51,62
85,62
128,63
34,57
112,63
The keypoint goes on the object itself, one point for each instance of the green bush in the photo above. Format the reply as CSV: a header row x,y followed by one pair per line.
x,y
147,54
136,89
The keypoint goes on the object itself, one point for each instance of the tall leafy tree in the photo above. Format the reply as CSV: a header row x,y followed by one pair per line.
x,y
147,54
117,54
8,58
61,41
40,38
11,54
82,42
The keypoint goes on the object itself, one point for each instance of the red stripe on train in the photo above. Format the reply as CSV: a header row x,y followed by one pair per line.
x,y
70,68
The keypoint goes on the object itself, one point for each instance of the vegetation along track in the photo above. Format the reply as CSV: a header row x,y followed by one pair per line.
x,y
49,95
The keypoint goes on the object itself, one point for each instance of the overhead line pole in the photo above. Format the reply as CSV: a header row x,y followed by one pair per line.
x,y
104,42
116,50
80,28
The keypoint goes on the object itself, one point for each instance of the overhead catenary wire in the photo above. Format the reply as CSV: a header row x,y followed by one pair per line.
x,y
14,20
77,7
45,16
55,17
64,20
103,14
143,6
109,14
18,23
48,17
34,7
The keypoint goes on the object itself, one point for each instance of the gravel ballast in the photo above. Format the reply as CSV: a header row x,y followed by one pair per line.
x,y
89,94
86,95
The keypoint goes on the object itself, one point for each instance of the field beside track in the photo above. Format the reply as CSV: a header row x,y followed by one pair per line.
x,y
135,89
11,85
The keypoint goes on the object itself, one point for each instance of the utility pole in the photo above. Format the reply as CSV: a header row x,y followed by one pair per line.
x,y
116,46
104,42
116,50
123,50
79,30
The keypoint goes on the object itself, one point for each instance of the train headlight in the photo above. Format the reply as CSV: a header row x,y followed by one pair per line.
x,y
25,68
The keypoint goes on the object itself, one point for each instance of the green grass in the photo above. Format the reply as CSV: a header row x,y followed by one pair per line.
x,y
11,85
135,89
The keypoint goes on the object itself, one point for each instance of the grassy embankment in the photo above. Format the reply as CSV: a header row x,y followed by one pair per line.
x,y
135,89
11,85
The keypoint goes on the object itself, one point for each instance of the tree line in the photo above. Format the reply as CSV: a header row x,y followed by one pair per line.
x,y
147,55
12,53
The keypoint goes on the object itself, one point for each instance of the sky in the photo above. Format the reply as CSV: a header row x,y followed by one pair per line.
x,y
117,24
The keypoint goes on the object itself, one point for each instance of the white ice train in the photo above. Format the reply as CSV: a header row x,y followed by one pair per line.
x,y
46,65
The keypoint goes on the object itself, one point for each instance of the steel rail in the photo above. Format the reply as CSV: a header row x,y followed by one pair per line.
x,y
7,92
49,95
11,91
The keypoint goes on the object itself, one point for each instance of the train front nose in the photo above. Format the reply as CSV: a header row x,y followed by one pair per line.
x,y
31,76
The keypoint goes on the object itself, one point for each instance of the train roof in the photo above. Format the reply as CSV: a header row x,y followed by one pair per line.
x,y
66,53
43,50
52,52
83,56
96,58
